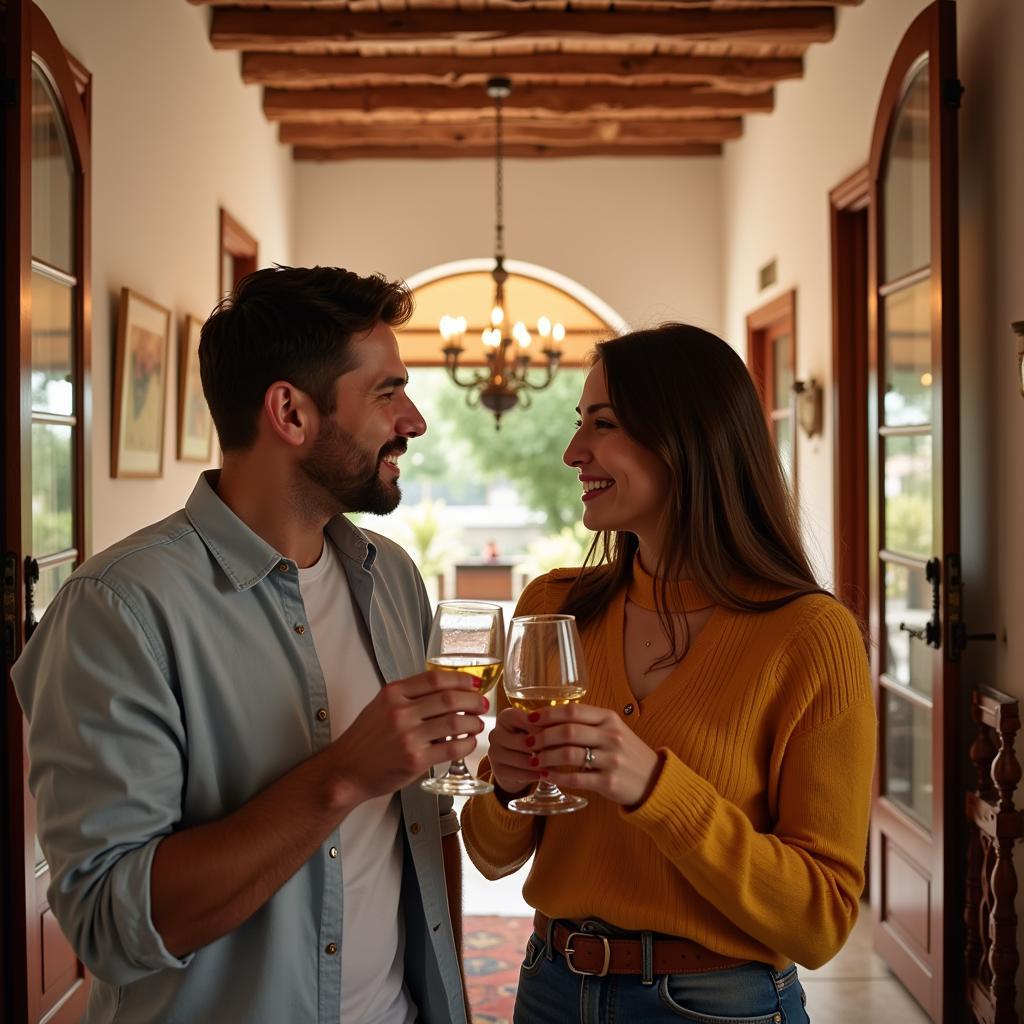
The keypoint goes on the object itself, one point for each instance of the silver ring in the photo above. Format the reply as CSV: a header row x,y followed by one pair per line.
x,y
588,759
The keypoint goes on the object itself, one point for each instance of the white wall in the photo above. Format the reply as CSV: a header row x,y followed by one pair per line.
x,y
642,234
775,200
175,134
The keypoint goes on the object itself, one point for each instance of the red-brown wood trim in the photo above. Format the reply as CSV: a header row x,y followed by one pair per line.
x,y
16,929
761,325
238,243
848,203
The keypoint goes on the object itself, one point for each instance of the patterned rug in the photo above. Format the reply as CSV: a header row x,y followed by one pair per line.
x,y
493,949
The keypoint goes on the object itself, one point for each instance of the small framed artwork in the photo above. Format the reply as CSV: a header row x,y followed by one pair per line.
x,y
140,387
195,425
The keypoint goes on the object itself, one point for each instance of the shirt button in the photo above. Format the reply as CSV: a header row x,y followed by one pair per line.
x,y
322,715
628,709
330,949
333,851
282,566
300,629
415,827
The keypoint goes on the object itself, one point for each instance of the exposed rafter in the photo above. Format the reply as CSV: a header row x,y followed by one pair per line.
x,y
251,29
561,134
319,71
324,105
405,78
409,152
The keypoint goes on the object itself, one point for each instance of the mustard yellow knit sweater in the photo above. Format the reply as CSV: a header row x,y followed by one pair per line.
x,y
752,839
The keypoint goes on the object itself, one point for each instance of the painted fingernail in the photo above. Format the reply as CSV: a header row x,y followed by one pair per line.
x,y
487,704
533,716
477,683
531,740
544,773
534,761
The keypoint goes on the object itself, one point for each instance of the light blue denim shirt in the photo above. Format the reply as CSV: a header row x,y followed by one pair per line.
x,y
166,685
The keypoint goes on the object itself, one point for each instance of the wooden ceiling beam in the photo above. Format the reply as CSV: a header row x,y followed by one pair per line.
x,y
324,105
569,133
753,4
408,152
318,71
240,28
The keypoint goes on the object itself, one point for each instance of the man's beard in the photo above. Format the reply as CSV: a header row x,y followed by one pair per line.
x,y
347,476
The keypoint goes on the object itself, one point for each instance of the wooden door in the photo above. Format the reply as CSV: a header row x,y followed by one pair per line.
x,y
914,521
771,357
45,439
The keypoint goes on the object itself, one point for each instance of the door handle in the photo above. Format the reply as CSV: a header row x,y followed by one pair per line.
x,y
31,579
931,631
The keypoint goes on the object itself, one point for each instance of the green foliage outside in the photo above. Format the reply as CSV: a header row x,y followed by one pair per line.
x,y
424,532
564,549
526,451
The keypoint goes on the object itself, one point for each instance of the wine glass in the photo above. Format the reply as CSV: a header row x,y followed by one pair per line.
x,y
544,669
465,636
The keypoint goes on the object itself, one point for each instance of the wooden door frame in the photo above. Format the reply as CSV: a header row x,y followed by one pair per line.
x,y
941,850
849,205
241,246
29,33
759,322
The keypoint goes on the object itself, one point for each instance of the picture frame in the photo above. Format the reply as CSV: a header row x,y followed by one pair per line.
x,y
195,424
140,387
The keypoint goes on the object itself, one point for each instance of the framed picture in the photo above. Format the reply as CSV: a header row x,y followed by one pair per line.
x,y
140,387
195,425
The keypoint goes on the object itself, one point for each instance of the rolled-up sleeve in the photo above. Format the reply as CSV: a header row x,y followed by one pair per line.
x,y
106,747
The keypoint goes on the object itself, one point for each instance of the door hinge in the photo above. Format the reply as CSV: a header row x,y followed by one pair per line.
x,y
957,637
10,607
952,92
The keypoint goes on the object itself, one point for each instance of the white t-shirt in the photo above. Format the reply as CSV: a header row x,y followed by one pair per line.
x,y
373,936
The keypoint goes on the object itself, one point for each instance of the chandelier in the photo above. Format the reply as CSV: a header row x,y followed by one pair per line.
x,y
505,381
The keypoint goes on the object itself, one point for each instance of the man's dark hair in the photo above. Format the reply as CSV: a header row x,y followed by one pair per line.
x,y
293,324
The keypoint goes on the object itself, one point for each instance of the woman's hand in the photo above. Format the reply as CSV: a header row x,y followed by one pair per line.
x,y
622,767
509,753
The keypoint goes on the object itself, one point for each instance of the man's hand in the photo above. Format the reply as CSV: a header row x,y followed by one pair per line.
x,y
409,726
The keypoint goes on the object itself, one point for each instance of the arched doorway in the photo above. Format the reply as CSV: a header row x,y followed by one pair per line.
x,y
465,288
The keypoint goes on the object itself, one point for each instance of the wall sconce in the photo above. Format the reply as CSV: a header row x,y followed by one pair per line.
x,y
1018,329
809,406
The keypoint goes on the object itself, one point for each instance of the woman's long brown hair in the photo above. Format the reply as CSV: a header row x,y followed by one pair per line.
x,y
729,516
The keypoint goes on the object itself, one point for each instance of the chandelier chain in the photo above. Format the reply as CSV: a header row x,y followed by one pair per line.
x,y
499,182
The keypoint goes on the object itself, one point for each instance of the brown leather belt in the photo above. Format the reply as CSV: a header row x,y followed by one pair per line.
x,y
597,955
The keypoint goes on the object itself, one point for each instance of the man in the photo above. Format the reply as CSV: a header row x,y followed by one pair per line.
x,y
227,795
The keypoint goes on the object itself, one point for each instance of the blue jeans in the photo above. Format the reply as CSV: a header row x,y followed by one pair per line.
x,y
753,993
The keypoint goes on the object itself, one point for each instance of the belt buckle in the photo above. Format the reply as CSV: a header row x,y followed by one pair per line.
x,y
568,954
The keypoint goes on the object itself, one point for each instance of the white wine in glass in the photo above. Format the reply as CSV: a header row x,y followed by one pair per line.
x,y
544,669
465,636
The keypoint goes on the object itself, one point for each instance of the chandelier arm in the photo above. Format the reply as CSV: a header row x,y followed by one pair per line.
x,y
475,381
549,376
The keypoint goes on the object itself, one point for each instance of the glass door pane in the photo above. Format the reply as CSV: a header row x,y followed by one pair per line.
x,y
53,438
907,183
53,178
907,743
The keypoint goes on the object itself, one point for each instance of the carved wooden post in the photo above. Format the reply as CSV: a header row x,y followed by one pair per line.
x,y
994,825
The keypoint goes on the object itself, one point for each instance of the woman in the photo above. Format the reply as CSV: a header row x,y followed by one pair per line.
x,y
727,742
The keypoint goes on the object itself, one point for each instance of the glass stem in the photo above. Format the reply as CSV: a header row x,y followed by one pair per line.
x,y
547,789
458,770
